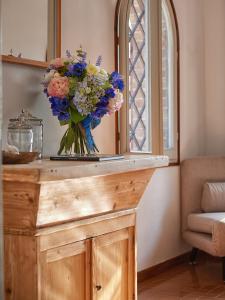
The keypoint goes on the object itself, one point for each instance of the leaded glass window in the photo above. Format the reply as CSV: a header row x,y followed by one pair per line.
x,y
138,85
148,60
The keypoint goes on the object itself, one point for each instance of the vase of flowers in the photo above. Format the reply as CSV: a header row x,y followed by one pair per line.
x,y
80,94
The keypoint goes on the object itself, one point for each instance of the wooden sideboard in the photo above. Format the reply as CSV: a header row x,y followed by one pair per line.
x,y
69,228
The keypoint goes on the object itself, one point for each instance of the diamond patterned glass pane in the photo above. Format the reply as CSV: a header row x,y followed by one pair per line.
x,y
167,79
139,116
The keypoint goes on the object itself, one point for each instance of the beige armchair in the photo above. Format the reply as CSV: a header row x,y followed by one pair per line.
x,y
203,228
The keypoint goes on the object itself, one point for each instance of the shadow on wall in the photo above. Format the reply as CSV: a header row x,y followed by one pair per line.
x,y
158,220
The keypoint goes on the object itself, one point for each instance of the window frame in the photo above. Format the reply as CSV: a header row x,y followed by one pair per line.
x,y
122,65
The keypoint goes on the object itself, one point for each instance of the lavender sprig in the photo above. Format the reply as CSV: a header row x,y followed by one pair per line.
x,y
68,54
99,61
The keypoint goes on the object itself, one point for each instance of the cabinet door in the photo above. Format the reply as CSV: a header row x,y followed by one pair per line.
x,y
65,272
113,269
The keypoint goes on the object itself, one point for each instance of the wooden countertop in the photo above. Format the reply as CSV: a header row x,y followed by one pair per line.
x,y
46,170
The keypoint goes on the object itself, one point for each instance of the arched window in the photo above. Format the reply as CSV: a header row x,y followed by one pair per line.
x,y
148,60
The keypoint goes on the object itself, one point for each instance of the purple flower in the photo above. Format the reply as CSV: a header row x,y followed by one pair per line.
x,y
68,54
77,69
117,81
99,61
100,112
84,56
64,116
104,100
101,108
60,108
110,93
67,74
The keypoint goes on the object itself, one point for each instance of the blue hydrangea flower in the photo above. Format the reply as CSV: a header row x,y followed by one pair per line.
x,y
104,100
67,74
64,116
100,112
59,108
77,69
117,81
110,93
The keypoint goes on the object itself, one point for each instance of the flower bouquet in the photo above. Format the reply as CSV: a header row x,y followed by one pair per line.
x,y
80,94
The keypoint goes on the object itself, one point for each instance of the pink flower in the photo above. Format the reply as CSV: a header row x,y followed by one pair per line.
x,y
57,63
115,103
58,87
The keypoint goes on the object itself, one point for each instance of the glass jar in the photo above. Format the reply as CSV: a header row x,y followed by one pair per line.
x,y
37,128
20,135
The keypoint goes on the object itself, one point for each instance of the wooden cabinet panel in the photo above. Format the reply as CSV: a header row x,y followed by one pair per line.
x,y
65,272
20,263
113,259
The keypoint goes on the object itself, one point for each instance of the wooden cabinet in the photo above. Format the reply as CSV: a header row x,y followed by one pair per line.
x,y
99,268
65,272
83,260
69,228
113,265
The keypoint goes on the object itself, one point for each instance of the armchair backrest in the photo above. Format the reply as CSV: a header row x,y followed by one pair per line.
x,y
194,173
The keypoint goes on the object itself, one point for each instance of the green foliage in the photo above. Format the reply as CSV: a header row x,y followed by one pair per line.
x,y
62,70
75,116
63,123
106,86
84,74
74,140
72,86
69,139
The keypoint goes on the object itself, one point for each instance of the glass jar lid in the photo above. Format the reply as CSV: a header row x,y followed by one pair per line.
x,y
26,115
19,123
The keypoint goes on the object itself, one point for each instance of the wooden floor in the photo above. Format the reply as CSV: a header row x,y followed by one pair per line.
x,y
203,281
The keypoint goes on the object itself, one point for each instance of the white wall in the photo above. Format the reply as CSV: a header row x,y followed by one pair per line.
x,y
192,93
17,35
215,76
158,222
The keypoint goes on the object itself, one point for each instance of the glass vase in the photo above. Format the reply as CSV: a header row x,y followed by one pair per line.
x,y
77,140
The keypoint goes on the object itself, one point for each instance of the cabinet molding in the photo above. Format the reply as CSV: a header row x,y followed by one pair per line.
x,y
84,231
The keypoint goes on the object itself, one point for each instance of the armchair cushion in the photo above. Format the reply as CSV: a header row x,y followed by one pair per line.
x,y
205,222
213,197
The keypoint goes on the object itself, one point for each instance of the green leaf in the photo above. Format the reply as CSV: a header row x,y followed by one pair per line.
x,y
69,139
62,123
106,86
72,86
76,117
62,143
62,70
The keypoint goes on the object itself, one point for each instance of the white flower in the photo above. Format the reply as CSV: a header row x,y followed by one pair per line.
x,y
102,77
57,75
116,102
92,69
104,74
48,76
